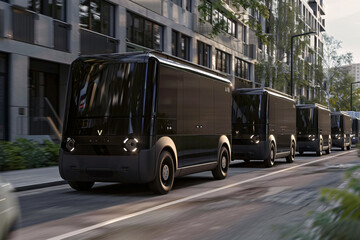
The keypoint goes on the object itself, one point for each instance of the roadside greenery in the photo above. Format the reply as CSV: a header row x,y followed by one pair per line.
x,y
23,154
341,218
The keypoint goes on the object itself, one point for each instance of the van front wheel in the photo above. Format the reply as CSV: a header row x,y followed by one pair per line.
x,y
270,160
164,178
291,157
220,172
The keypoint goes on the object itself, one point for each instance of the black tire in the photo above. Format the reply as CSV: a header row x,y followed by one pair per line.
x,y
291,157
81,186
221,170
165,174
270,160
349,147
320,149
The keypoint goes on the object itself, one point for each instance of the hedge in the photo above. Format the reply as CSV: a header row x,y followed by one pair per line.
x,y
24,153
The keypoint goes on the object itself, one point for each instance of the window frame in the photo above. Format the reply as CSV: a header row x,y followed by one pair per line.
x,y
177,40
111,29
204,54
142,23
39,6
223,61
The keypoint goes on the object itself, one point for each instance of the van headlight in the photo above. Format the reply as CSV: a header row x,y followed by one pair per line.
x,y
131,144
255,139
311,137
70,144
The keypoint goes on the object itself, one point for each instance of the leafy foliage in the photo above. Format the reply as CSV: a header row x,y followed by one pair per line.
x,y
341,219
237,9
23,153
337,77
274,70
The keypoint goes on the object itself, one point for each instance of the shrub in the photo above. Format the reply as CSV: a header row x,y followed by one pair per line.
x,y
341,218
23,153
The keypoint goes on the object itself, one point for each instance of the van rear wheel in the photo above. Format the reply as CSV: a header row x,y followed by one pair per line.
x,y
270,160
164,178
221,170
81,186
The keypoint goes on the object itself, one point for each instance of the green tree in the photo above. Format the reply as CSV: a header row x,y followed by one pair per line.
x,y
339,99
274,69
336,76
232,9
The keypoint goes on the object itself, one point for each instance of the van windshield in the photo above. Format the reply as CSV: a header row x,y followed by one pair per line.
x,y
107,89
306,119
248,109
336,123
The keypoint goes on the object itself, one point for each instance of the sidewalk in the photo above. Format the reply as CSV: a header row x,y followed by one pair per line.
x,y
33,178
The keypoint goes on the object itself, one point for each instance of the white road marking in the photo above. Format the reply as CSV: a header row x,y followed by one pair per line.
x,y
102,224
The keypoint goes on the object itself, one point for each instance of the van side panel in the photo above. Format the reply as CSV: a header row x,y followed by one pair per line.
x,y
282,121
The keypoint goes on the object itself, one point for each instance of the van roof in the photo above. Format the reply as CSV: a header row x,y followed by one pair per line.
x,y
314,105
162,58
262,91
340,113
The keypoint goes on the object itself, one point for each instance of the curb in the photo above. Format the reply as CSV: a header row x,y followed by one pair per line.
x,y
40,185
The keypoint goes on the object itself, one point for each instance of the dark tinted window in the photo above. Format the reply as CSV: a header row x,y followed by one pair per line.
x,y
103,89
305,118
52,8
97,16
336,122
144,32
248,109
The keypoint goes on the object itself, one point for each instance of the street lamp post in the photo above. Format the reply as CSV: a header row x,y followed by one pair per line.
x,y
351,94
292,57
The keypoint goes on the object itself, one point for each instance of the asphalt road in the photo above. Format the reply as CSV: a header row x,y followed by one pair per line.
x,y
253,202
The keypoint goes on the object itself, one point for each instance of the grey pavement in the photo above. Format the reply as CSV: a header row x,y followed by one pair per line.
x,y
33,178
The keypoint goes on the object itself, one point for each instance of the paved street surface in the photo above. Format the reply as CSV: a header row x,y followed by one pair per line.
x,y
253,202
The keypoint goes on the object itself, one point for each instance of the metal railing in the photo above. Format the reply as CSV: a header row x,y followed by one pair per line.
x,y
45,120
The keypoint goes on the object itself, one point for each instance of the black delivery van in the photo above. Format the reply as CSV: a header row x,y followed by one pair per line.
x,y
341,130
144,118
313,128
263,125
355,128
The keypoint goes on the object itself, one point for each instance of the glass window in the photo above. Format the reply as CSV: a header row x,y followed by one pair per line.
x,y
188,5
177,2
336,123
180,45
204,54
144,32
223,61
98,16
52,8
248,109
107,89
242,69
306,119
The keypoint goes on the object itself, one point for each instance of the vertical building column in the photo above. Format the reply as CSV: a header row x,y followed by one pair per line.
x,y
18,96
73,18
120,26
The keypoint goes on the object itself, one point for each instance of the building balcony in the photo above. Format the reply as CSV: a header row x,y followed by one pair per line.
x,y
96,43
20,24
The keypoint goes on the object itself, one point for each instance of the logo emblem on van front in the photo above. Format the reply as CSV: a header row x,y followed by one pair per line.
x,y
99,132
